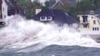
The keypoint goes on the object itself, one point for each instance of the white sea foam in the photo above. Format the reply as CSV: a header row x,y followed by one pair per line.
x,y
21,33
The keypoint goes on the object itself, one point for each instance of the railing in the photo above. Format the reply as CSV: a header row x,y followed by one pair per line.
x,y
84,23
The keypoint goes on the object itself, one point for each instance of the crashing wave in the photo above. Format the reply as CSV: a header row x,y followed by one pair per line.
x,y
21,33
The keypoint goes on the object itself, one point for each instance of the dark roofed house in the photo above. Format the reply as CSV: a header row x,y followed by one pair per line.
x,y
56,15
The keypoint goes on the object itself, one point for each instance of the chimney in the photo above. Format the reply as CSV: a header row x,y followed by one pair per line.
x,y
91,12
37,11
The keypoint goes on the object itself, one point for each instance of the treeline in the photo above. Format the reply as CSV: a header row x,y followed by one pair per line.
x,y
81,7
29,7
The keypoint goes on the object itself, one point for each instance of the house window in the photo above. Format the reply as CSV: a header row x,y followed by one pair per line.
x,y
94,22
46,18
4,16
84,18
49,18
3,9
95,28
92,17
43,18
11,11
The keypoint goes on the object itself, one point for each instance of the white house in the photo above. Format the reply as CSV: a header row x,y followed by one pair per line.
x,y
7,8
90,23
3,10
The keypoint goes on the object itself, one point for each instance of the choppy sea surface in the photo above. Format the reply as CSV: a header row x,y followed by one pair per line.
x,y
55,50
21,37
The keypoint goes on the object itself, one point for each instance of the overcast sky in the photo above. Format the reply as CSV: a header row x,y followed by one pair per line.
x,y
42,0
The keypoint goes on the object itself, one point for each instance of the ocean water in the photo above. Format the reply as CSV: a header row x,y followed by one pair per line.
x,y
21,37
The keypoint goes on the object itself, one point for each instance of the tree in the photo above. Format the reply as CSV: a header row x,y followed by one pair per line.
x,y
97,3
52,0
85,5
72,11
29,7
47,4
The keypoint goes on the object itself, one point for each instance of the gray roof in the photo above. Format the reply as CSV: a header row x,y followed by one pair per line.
x,y
97,11
59,1
98,16
71,2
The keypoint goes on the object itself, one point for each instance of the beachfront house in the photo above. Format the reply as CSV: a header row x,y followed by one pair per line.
x,y
90,22
7,8
54,15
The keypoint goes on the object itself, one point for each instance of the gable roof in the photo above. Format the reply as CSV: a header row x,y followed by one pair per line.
x,y
58,2
51,4
62,2
71,2
8,2
58,15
